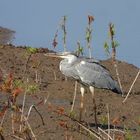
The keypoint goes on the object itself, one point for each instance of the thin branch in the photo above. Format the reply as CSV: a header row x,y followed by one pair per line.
x,y
112,34
22,111
30,128
63,25
108,116
2,121
105,133
132,86
54,73
89,49
36,76
91,131
32,106
116,130
75,92
12,117
16,137
46,99
26,65
118,77
29,111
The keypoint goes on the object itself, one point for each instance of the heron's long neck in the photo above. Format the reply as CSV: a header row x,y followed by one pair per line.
x,y
72,59
67,62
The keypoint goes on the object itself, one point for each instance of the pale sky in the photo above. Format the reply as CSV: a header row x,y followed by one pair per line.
x,y
36,21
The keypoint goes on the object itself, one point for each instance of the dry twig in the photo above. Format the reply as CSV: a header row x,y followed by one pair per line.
x,y
108,116
105,133
22,111
33,106
74,97
132,86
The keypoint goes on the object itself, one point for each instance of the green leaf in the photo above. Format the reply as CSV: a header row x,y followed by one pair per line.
x,y
115,44
111,31
18,83
88,34
32,88
106,47
31,50
103,120
79,49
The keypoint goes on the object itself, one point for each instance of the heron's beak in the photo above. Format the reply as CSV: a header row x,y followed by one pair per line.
x,y
57,55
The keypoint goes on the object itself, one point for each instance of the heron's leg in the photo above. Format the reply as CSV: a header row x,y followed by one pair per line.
x,y
94,105
82,102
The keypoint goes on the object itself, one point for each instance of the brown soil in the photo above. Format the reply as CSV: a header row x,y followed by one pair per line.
x,y
59,94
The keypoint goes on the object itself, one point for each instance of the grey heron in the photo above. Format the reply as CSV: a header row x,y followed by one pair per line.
x,y
88,72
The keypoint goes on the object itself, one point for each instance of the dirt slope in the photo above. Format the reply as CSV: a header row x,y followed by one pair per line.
x,y
52,83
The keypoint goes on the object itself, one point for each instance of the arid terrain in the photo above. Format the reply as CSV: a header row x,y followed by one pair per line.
x,y
54,95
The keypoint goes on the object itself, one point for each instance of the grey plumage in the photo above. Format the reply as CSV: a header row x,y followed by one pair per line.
x,y
88,72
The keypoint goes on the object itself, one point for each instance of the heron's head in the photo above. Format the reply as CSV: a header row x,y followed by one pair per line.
x,y
64,55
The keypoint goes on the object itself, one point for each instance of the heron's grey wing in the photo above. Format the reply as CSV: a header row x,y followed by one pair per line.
x,y
95,75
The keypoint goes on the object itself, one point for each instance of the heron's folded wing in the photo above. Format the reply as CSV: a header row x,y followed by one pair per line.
x,y
95,75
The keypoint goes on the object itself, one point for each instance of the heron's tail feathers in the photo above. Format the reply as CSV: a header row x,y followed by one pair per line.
x,y
117,88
